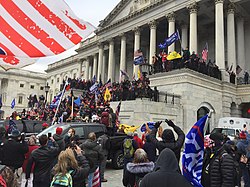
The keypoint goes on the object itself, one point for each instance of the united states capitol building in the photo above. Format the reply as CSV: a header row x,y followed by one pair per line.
x,y
143,24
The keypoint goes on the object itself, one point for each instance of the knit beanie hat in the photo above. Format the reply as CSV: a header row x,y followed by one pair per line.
x,y
59,130
168,135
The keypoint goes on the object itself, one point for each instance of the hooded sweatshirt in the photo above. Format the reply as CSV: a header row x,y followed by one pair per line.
x,y
166,171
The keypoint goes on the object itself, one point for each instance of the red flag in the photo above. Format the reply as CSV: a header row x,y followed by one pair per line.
x,y
205,52
67,87
38,28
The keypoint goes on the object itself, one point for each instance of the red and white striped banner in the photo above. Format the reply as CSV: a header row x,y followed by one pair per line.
x,y
96,180
38,28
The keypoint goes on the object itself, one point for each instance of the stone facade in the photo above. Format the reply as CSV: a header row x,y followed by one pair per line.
x,y
19,84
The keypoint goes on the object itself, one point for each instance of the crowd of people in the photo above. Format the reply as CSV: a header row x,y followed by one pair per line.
x,y
191,61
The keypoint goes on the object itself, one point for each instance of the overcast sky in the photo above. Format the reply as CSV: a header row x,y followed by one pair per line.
x,y
89,10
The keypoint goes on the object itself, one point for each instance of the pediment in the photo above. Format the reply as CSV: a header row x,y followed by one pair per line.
x,y
123,9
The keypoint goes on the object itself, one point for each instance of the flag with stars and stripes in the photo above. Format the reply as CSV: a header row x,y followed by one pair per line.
x,y
37,28
192,158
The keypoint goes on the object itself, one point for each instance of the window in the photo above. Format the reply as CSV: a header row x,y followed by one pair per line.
x,y
32,86
52,81
57,80
20,99
21,85
41,88
74,76
79,131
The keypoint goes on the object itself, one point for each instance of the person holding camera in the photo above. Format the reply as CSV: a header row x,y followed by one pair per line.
x,y
14,150
43,158
168,139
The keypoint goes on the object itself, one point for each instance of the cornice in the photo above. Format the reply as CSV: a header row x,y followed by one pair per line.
x,y
130,16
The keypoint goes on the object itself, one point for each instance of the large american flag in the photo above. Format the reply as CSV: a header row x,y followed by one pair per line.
x,y
205,52
37,28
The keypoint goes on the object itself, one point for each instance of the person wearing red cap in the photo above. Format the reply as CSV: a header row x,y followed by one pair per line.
x,y
44,126
59,138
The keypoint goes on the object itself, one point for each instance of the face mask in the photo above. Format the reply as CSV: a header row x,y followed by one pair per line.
x,y
69,134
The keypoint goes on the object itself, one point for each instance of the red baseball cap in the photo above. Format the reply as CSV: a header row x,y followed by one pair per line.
x,y
59,130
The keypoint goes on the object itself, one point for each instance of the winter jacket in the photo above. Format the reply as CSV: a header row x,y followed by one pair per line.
x,y
60,141
175,146
166,172
136,171
27,155
93,153
138,141
14,153
43,157
222,170
150,149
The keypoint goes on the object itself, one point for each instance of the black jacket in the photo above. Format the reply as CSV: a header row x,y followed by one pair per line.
x,y
44,158
14,153
134,171
175,146
60,141
93,153
222,170
166,172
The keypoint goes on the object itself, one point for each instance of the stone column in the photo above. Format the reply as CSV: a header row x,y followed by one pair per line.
x,y
231,53
219,36
80,68
90,69
123,53
137,46
184,36
104,61
94,65
111,60
241,43
193,27
86,75
171,29
100,62
152,48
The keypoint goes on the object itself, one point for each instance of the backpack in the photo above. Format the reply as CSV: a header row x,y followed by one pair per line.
x,y
62,181
128,148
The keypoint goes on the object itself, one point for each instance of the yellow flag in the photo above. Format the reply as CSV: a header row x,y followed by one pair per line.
x,y
173,55
107,95
139,73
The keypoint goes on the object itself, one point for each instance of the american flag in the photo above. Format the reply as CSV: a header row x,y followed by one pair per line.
x,y
117,113
38,28
192,158
96,180
205,52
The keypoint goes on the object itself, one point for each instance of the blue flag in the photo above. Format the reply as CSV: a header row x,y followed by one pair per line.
x,y
151,125
13,103
56,100
12,126
171,39
77,101
138,57
192,158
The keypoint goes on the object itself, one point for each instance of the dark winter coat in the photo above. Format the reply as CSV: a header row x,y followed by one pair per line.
x,y
170,143
222,170
150,149
136,171
14,153
44,158
60,141
93,153
166,172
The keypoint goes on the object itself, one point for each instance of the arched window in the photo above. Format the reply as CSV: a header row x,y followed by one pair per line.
x,y
202,111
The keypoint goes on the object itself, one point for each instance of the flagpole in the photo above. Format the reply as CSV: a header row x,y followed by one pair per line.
x,y
57,108
208,118
72,110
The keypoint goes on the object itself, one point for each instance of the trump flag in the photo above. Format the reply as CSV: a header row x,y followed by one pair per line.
x,y
37,28
192,158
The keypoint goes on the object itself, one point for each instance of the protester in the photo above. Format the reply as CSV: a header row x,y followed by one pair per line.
x,y
218,167
104,142
94,154
59,138
70,171
32,147
150,148
14,150
166,172
7,177
43,158
137,169
129,148
138,140
168,139
71,137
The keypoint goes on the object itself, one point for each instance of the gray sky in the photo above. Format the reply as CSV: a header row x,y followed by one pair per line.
x,y
92,11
